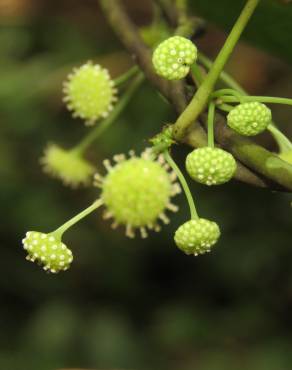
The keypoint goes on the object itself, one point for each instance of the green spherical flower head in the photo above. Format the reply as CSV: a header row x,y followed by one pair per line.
x,y
67,165
249,119
136,192
197,236
48,251
89,92
173,57
210,166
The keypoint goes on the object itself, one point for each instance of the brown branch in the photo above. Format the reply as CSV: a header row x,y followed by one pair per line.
x,y
128,34
259,159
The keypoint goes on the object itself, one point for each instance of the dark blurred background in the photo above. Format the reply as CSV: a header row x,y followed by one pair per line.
x,y
136,304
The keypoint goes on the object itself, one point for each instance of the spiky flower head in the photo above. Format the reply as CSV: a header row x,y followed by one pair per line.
x,y
249,119
210,166
89,92
137,191
67,165
197,236
48,251
173,57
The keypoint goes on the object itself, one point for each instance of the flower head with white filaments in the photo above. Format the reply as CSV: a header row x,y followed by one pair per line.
x,y
136,192
89,92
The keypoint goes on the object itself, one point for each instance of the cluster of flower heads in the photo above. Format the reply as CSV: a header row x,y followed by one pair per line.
x,y
136,191
172,59
89,92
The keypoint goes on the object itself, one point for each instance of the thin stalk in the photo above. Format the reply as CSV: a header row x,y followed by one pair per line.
x,y
188,194
284,143
225,107
126,76
197,74
200,100
224,77
227,92
60,231
260,99
101,127
211,116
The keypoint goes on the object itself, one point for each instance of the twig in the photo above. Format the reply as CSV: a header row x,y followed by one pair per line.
x,y
127,32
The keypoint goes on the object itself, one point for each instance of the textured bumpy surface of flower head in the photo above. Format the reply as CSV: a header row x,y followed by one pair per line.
x,y
210,166
249,119
173,57
136,192
66,165
197,236
48,251
89,93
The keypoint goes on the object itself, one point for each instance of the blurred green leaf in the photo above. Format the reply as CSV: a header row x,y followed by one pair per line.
x,y
270,27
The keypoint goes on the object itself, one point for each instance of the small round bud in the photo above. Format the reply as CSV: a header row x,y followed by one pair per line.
x,y
197,236
173,57
67,165
89,92
210,166
48,251
249,119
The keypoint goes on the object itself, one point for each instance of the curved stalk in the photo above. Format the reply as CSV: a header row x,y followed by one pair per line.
x,y
211,116
188,194
60,231
101,127
260,99
224,77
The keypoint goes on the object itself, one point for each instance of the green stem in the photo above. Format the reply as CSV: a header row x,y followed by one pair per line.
x,y
224,77
200,100
126,76
260,99
188,194
101,127
227,92
225,107
197,74
182,6
60,231
284,143
211,115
